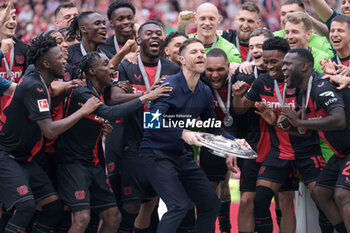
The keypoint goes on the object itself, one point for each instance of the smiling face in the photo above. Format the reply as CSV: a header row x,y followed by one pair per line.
x,y
297,35
8,29
345,7
151,40
122,21
103,70
94,28
339,36
255,46
193,58
172,50
273,60
245,23
217,71
291,70
207,18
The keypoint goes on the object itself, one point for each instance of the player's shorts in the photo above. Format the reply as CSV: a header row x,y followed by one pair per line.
x,y
249,174
48,162
114,149
213,166
310,168
20,181
134,184
335,174
84,187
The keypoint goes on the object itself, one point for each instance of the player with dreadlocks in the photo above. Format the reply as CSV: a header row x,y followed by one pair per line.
x,y
90,27
82,181
24,122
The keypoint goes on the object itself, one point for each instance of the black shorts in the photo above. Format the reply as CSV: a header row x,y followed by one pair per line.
x,y
310,167
134,184
213,166
249,174
84,187
48,162
20,181
114,147
336,173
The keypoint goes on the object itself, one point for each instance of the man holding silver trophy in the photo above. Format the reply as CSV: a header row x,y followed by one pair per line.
x,y
172,171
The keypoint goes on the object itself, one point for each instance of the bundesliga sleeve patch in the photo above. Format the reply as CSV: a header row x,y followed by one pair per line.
x,y
43,105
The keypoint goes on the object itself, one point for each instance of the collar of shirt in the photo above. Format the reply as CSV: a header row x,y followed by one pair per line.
x,y
184,86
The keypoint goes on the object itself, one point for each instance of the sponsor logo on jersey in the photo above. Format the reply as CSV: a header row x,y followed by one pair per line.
x,y
268,89
320,85
331,101
43,105
22,190
39,89
137,77
327,93
275,105
80,195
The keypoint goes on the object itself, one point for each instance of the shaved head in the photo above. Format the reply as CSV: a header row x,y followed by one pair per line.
x,y
207,7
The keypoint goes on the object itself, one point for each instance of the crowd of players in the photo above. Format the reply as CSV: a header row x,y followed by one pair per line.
x,y
74,154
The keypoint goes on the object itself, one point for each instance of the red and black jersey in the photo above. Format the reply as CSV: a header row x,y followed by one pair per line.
x,y
283,145
253,127
75,54
344,61
81,142
325,97
128,71
20,135
19,65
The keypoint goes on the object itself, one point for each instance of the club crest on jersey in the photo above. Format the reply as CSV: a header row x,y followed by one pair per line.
x,y
115,76
80,195
22,190
43,105
290,91
19,59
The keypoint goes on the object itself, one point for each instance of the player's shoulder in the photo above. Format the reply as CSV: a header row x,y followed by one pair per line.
x,y
320,85
169,66
20,44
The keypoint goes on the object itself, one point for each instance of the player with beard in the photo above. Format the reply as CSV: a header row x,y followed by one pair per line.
x,y
172,44
64,14
315,41
323,110
340,39
245,23
150,70
170,166
13,64
286,151
25,121
82,181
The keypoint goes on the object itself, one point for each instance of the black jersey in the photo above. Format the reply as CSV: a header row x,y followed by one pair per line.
x,y
134,122
20,134
74,57
18,65
325,97
110,45
283,145
81,142
250,125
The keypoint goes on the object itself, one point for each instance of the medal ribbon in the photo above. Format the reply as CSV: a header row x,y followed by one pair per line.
x,y
278,93
116,45
144,74
305,103
225,109
9,67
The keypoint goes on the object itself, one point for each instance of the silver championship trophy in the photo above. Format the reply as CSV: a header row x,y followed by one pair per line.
x,y
223,147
